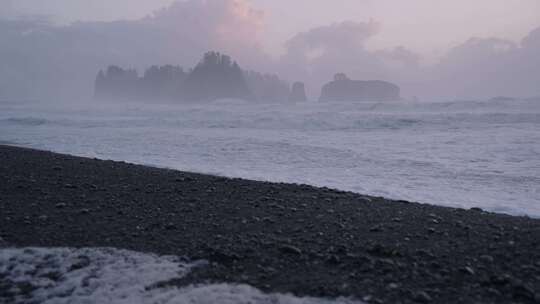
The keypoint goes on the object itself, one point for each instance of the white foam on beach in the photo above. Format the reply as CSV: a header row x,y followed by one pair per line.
x,y
106,275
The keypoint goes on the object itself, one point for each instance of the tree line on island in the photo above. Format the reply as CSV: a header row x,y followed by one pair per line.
x,y
217,76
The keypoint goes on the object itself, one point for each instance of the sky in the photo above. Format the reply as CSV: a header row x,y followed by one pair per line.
x,y
429,27
459,49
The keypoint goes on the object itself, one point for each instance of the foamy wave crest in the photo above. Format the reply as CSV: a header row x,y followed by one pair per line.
x,y
106,275
26,121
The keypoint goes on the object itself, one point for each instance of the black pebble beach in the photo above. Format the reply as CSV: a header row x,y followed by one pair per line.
x,y
283,238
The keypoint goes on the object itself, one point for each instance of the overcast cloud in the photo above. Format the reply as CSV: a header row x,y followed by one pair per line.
x,y
490,47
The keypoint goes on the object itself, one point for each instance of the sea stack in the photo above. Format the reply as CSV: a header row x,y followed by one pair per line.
x,y
298,92
216,76
345,89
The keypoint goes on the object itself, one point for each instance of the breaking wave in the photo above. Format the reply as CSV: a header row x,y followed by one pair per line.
x,y
25,121
461,153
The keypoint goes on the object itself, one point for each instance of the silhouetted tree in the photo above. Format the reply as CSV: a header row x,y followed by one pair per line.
x,y
298,92
216,76
266,87
116,83
100,86
162,82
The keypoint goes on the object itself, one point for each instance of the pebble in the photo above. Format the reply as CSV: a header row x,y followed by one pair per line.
x,y
170,226
333,259
422,297
393,286
295,250
60,205
486,258
468,270
290,249
376,228
523,291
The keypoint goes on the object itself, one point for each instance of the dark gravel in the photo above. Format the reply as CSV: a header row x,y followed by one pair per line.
x,y
277,237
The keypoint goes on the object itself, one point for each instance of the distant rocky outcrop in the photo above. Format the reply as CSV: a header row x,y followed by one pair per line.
x,y
267,87
162,82
158,82
216,76
116,83
345,89
298,92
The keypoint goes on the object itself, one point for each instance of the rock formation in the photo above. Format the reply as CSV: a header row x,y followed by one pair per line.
x,y
345,89
298,92
267,87
216,76
116,83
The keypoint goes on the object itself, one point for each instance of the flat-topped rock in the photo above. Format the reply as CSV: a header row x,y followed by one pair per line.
x,y
345,89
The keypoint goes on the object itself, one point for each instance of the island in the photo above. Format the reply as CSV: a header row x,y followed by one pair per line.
x,y
344,89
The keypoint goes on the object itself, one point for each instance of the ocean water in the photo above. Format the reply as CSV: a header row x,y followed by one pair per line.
x,y
463,153
108,275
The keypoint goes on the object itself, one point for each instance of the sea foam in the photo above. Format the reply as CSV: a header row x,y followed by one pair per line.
x,y
107,275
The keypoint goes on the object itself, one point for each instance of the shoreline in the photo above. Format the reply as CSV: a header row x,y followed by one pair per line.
x,y
277,237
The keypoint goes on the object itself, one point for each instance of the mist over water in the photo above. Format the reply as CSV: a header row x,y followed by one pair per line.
x,y
465,154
